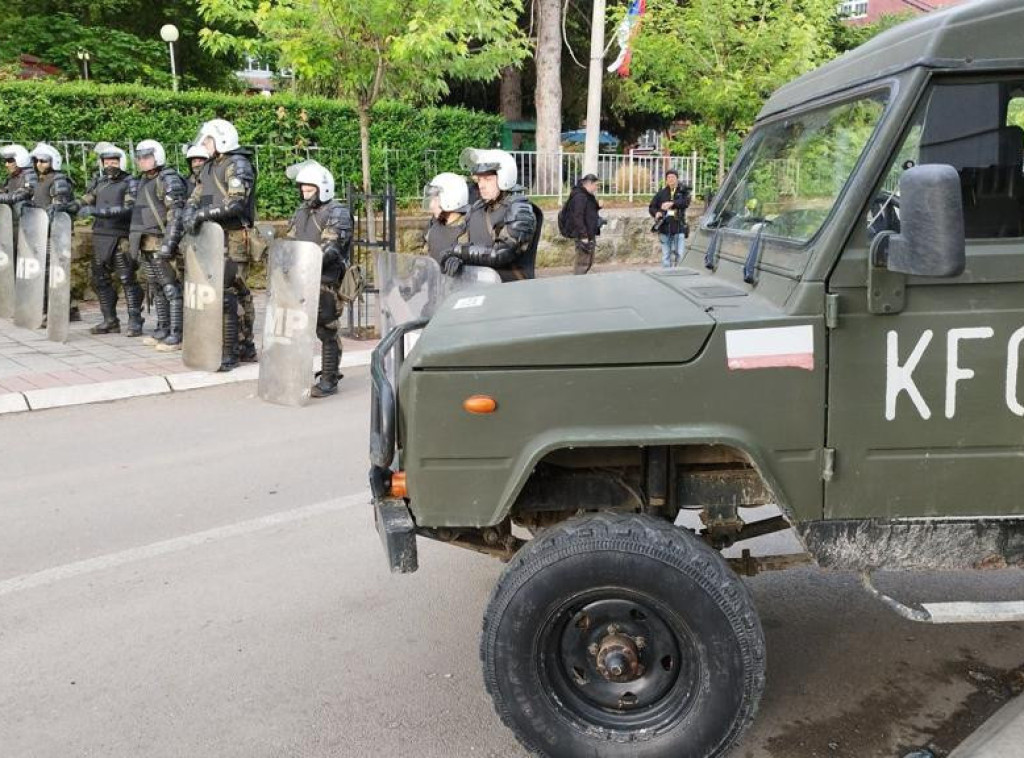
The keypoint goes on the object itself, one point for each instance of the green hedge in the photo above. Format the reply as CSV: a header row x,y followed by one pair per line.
x,y
408,144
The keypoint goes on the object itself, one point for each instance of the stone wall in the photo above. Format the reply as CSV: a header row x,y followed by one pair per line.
x,y
625,240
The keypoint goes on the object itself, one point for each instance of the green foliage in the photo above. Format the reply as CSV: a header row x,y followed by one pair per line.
x,y
717,60
115,56
412,143
702,139
363,52
141,19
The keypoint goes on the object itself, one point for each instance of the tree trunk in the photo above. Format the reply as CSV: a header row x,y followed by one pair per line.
x,y
511,99
720,137
549,97
364,150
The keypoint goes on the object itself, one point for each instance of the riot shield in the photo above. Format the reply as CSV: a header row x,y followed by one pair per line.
x,y
204,298
410,286
58,316
289,330
29,275
6,262
471,276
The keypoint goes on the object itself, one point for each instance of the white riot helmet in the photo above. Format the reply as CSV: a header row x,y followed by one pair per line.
x,y
151,147
451,192
311,172
105,150
48,154
20,155
491,162
196,150
225,135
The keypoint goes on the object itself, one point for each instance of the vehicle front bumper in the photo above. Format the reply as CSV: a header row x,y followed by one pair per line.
x,y
397,532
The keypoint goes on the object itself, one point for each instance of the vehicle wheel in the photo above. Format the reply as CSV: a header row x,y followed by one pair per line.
x,y
613,635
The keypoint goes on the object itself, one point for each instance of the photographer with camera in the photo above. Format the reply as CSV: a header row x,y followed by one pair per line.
x,y
668,208
579,220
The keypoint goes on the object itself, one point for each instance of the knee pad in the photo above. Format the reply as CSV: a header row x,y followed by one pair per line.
x,y
172,291
325,334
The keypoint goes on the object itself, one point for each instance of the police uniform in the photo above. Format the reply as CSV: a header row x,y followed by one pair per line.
x,y
156,230
502,236
109,199
225,193
16,191
328,224
54,193
443,235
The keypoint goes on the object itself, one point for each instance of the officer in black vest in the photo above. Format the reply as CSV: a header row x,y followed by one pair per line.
x,y
447,199
197,157
503,225
54,193
108,201
19,186
323,220
156,229
226,193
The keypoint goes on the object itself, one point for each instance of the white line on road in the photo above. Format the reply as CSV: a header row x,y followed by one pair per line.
x,y
113,560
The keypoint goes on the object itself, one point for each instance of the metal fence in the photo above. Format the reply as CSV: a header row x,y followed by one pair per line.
x,y
631,176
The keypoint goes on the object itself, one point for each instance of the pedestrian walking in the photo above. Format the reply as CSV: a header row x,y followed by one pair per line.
x,y
583,222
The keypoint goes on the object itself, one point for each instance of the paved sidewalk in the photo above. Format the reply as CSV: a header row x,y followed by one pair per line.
x,y
36,373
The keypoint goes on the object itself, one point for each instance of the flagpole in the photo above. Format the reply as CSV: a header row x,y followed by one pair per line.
x,y
593,135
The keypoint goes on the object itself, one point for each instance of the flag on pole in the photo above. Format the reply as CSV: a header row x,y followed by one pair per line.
x,y
624,36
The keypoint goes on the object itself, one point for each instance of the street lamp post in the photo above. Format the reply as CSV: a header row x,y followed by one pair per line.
x,y
83,56
169,34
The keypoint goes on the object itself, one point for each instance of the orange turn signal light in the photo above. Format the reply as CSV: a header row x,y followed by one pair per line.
x,y
480,404
398,486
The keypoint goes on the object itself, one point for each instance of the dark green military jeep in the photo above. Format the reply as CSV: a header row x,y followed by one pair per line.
x,y
844,342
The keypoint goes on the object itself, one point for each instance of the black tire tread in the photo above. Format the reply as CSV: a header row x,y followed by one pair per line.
x,y
653,538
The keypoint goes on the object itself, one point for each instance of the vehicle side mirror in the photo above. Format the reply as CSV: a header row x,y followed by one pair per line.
x,y
931,241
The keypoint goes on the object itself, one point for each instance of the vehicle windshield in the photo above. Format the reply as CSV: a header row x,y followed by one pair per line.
x,y
793,171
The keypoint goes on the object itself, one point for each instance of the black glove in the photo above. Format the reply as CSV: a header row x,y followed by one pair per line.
x,y
165,252
451,264
86,210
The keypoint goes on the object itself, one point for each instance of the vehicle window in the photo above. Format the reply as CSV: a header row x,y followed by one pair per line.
x,y
793,171
978,128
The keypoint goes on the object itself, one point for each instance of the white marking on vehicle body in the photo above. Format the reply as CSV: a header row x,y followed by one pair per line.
x,y
774,347
469,302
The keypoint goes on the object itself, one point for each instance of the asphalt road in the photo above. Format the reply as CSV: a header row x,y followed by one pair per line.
x,y
197,575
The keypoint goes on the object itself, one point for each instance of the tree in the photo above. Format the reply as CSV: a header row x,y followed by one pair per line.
x,y
122,37
718,60
365,50
548,97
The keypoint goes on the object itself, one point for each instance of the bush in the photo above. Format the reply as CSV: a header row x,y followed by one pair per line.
x,y
408,145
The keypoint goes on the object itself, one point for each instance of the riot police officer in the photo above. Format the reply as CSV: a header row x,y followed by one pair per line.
x,y
226,193
503,225
156,229
447,199
323,220
18,187
108,201
54,193
197,157
21,176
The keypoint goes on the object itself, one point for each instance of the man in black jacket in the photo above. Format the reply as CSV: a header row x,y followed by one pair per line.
x,y
583,221
668,208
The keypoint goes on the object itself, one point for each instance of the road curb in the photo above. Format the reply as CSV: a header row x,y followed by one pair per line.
x,y
12,402
122,389
1002,736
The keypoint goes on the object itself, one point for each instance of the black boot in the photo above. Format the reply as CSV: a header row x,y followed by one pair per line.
x,y
108,307
163,320
329,376
173,339
133,294
229,344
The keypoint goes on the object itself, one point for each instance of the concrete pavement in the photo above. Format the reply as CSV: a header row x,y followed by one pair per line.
x,y
36,374
197,574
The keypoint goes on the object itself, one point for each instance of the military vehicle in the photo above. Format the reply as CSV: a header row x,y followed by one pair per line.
x,y
844,341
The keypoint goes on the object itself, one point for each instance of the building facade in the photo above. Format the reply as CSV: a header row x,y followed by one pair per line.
x,y
868,11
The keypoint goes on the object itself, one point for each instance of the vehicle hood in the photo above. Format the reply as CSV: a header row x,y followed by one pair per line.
x,y
595,320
